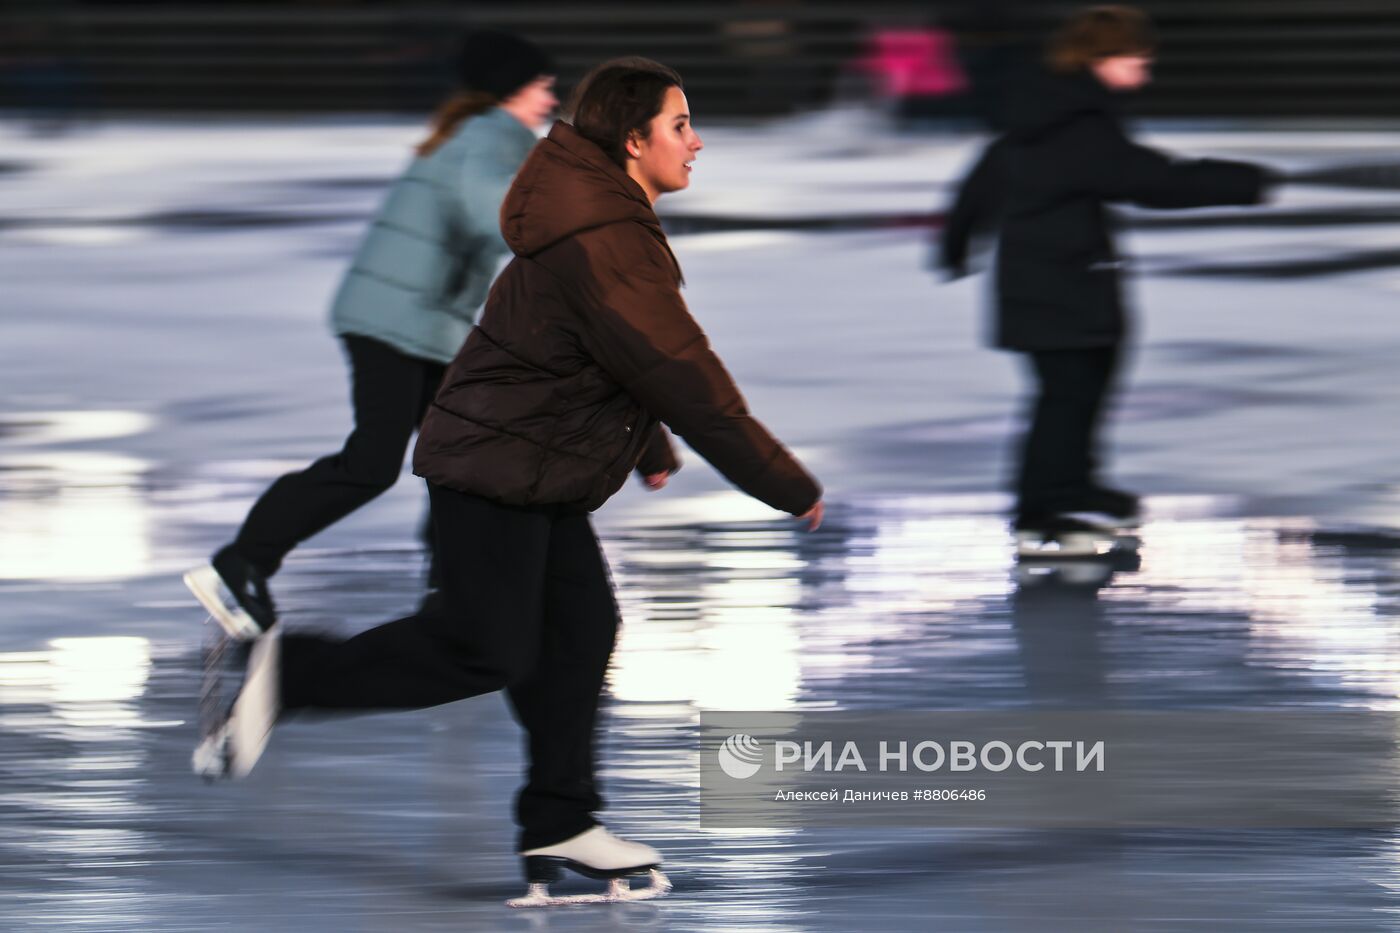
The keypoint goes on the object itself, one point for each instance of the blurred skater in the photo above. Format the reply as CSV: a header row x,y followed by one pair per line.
x,y
1044,186
402,312
585,348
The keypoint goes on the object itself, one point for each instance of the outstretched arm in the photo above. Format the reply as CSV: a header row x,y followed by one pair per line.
x,y
637,327
1121,170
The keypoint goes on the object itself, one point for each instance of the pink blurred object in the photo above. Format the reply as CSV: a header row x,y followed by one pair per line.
x,y
914,63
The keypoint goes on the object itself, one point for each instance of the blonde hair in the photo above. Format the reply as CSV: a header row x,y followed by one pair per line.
x,y
451,114
1100,32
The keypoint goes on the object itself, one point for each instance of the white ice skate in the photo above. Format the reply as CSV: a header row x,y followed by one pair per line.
x,y
214,595
595,853
231,744
1123,529
1121,512
1064,538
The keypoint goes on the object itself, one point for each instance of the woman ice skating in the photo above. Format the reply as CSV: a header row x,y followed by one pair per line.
x,y
584,349
402,312
1046,183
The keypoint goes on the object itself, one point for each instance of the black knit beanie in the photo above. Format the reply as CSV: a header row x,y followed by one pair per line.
x,y
500,63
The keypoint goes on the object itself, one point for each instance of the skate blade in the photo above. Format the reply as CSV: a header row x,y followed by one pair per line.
x,y
209,589
1075,546
1089,571
210,758
619,892
255,711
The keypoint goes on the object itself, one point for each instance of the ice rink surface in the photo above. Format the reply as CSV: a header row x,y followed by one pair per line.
x,y
163,356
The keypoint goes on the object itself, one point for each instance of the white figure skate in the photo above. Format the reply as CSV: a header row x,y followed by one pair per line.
x,y
595,853
1119,512
232,739
221,604
1064,538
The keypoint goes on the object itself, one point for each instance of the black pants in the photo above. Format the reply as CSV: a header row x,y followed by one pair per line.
x,y
528,606
1059,458
390,392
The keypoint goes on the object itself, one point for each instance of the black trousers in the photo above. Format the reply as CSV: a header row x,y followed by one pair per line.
x,y
390,392
528,606
1059,456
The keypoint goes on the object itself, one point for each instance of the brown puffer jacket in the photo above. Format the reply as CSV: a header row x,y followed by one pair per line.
x,y
585,344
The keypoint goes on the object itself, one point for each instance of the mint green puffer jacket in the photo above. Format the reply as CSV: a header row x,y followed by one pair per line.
x,y
423,270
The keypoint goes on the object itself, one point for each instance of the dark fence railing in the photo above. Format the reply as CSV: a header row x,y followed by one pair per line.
x,y
1219,57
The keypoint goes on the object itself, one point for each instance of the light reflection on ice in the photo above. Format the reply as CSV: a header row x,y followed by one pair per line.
x,y
743,654
90,686
34,428
735,614
72,514
749,646
75,534
915,563
84,794
1304,612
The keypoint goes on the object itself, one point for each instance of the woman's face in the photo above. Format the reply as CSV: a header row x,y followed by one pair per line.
x,y
661,162
534,103
1124,72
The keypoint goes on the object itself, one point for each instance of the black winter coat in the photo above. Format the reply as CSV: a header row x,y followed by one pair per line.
x,y
1045,185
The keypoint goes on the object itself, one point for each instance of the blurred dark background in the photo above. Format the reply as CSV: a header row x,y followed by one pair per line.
x,y
1304,58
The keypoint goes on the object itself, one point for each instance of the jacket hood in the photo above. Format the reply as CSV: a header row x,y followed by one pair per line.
x,y
1045,101
568,185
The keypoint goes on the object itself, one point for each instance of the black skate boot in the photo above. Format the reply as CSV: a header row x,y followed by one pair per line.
x,y
235,593
1061,537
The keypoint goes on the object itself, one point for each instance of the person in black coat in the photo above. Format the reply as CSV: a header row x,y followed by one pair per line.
x,y
1045,185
